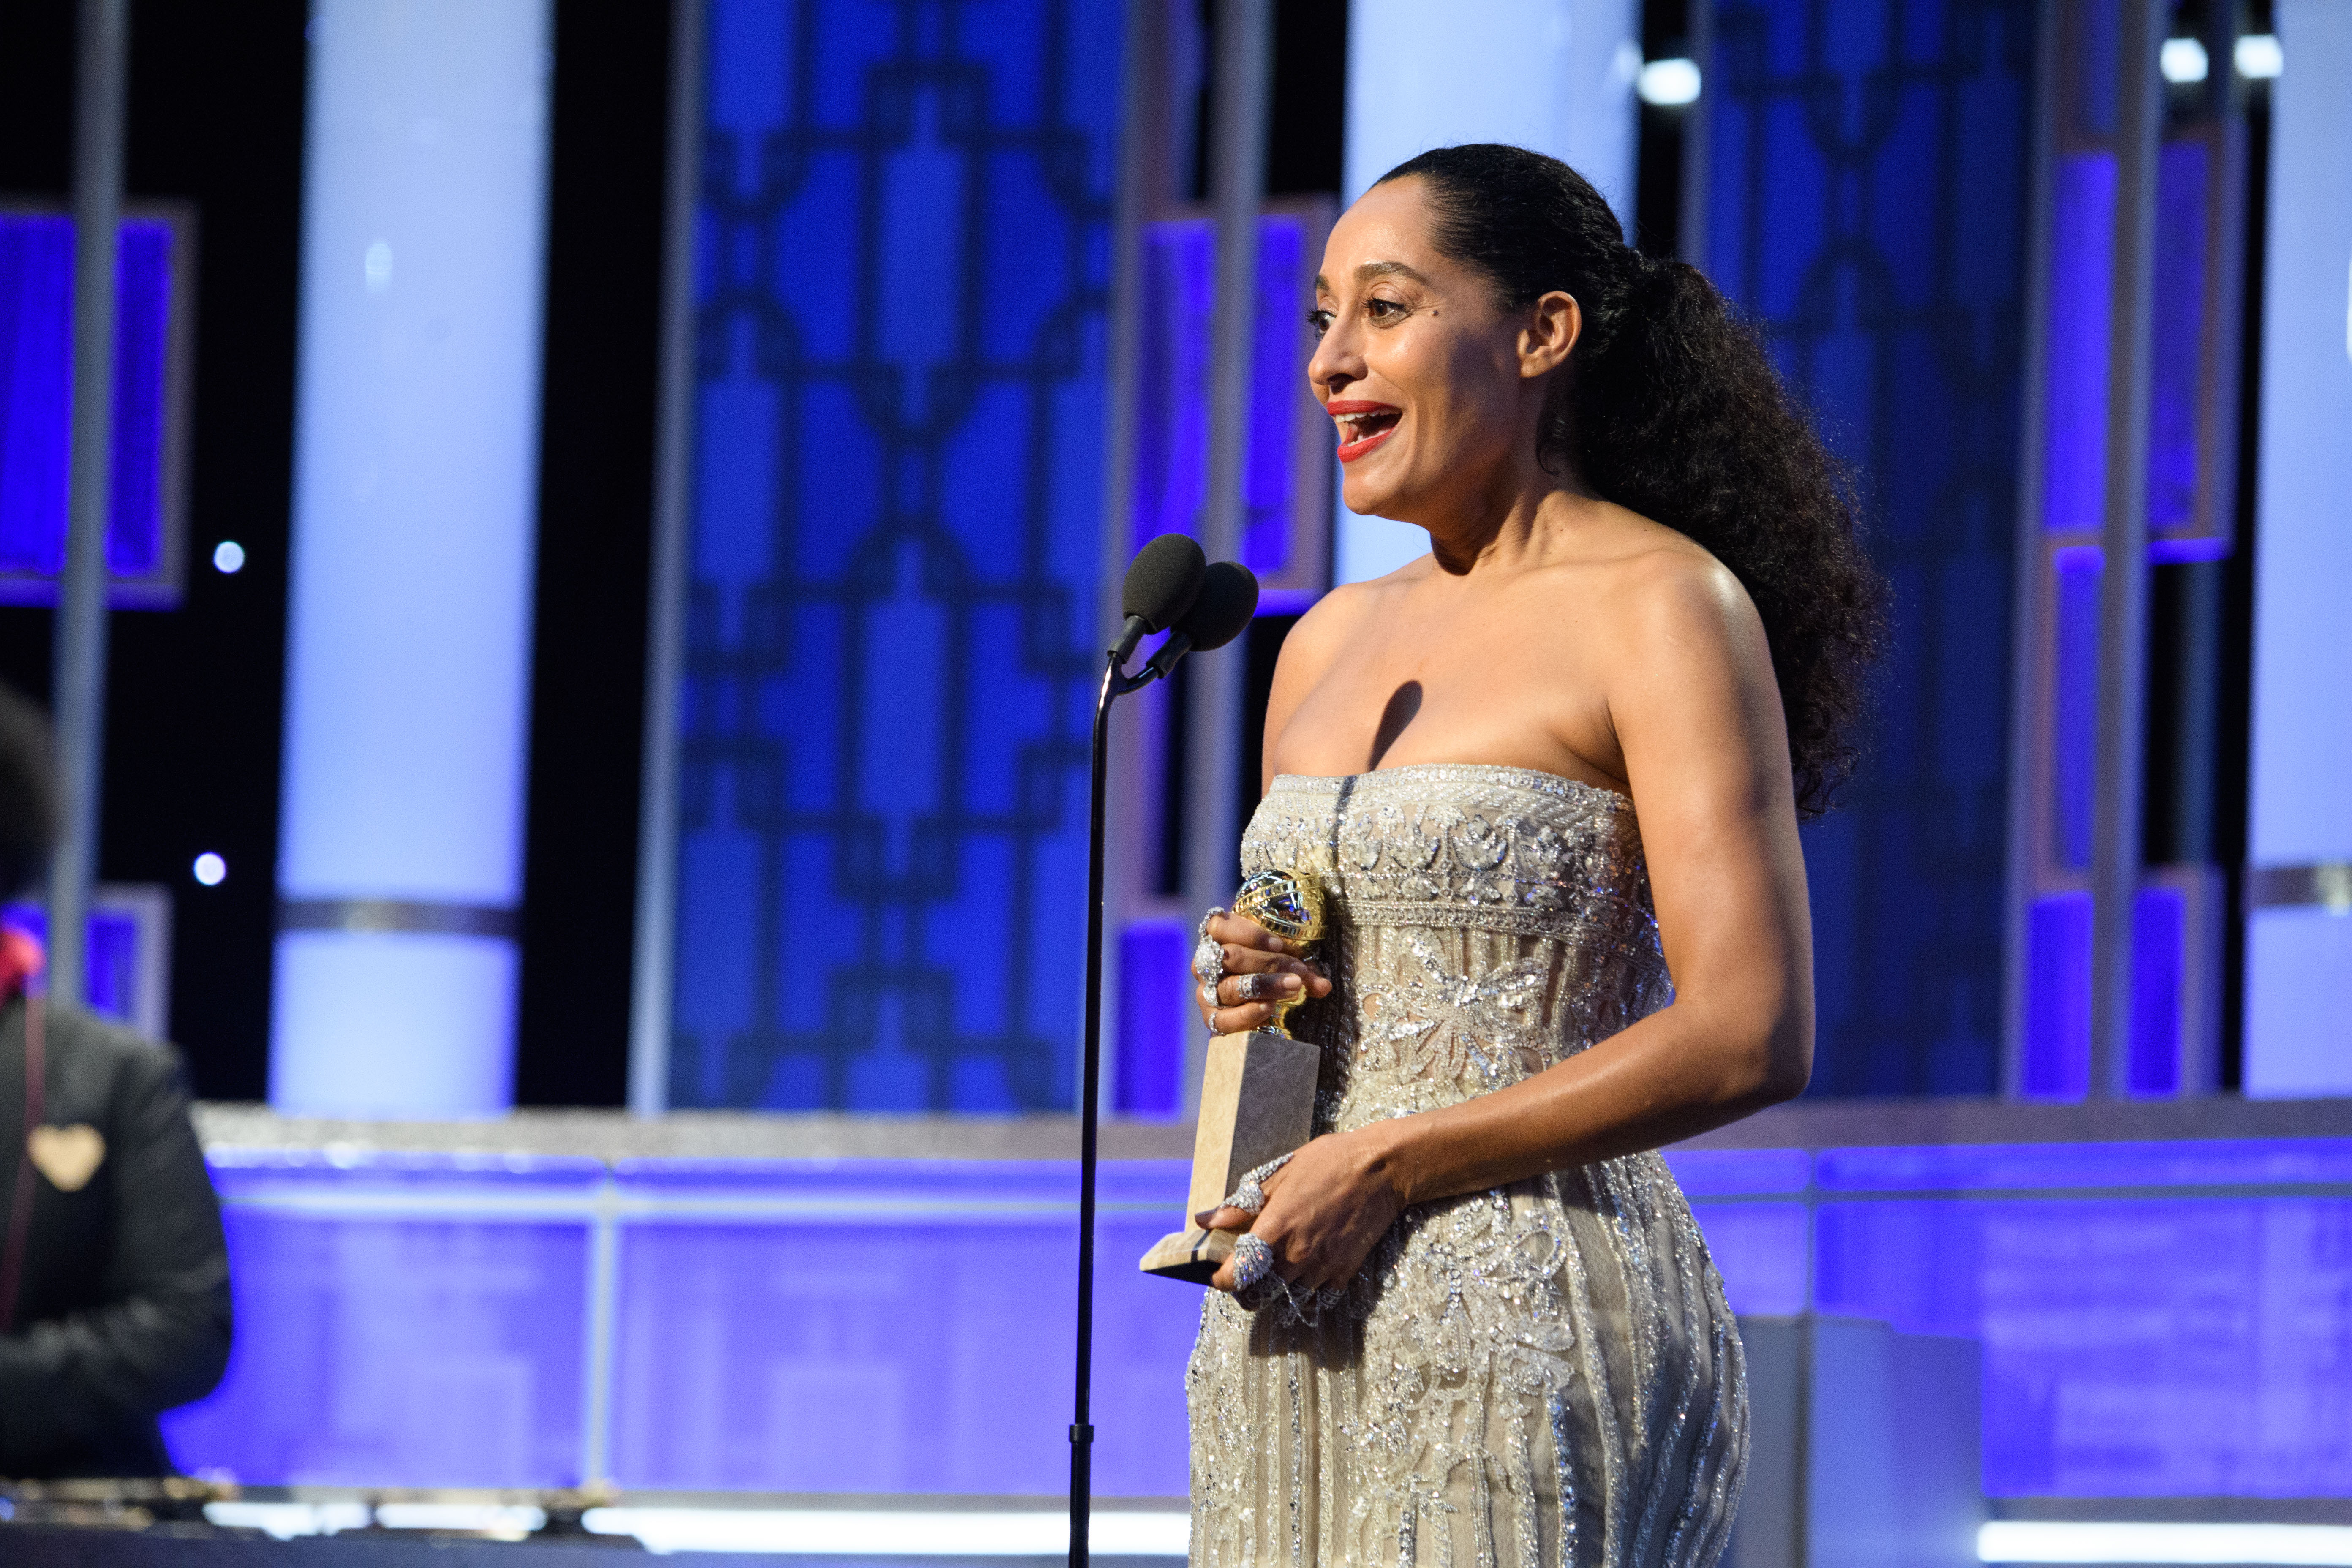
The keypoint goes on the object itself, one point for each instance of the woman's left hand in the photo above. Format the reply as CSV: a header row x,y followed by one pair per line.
x,y
1324,1213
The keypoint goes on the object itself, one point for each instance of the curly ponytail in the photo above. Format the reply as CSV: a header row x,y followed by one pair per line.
x,y
1670,407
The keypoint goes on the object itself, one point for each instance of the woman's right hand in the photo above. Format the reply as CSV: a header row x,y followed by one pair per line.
x,y
1250,951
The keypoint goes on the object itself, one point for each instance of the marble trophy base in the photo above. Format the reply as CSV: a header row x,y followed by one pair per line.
x,y
1257,1101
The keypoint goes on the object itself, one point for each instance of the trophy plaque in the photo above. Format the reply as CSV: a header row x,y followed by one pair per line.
x,y
1257,1090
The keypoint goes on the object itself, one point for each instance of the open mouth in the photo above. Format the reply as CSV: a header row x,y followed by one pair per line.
x,y
1363,426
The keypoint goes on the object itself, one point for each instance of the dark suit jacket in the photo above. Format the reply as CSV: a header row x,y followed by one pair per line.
x,y
123,1310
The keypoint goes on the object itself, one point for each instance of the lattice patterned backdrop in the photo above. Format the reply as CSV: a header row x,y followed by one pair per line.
x,y
904,252
1868,200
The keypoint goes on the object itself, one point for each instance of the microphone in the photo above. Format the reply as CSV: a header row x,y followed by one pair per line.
x,y
1162,582
1228,601
1208,607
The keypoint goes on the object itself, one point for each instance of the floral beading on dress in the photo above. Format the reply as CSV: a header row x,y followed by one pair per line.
x,y
1541,1375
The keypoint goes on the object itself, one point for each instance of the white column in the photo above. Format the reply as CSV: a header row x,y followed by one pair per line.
x,y
416,450
2298,1018
1556,76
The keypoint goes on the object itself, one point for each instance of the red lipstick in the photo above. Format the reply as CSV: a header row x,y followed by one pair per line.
x,y
1363,426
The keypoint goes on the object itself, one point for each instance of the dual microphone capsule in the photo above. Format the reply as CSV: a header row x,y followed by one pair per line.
x,y
1171,587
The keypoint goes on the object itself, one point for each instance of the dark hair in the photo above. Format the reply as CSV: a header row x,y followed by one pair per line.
x,y
1669,406
28,793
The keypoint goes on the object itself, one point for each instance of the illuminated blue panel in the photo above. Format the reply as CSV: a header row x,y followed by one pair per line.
x,y
2160,1319
415,517
904,272
2137,1345
1155,985
113,947
401,1320
894,1327
2182,170
1712,1173
37,266
1172,428
2133,1347
1178,262
2058,1011
1868,199
1553,75
2058,1166
2158,941
1761,1250
2057,1058
2075,702
2075,379
2298,1020
1266,472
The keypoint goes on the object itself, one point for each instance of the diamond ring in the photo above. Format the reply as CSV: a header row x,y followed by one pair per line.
x,y
1253,1263
1209,955
1250,1196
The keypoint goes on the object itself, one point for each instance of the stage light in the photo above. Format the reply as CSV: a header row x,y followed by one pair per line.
x,y
913,1534
288,1521
285,1520
1668,84
228,557
2259,56
2037,1541
2182,59
504,1521
210,869
379,267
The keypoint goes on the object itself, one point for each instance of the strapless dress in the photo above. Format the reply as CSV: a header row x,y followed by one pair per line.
x,y
1545,1374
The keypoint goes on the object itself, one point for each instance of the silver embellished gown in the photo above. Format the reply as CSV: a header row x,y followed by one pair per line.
x,y
1543,1374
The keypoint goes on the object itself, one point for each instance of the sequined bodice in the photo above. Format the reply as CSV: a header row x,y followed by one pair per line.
x,y
1487,922
1545,1374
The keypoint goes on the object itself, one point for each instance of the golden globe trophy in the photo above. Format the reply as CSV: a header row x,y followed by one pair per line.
x,y
1257,1090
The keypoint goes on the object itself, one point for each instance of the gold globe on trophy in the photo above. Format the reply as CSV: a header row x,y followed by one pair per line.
x,y
1257,1090
1291,907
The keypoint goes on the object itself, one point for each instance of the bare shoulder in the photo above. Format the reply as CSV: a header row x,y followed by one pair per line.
x,y
1338,618
1665,596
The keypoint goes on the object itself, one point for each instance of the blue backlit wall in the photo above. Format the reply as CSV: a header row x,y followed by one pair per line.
x,y
903,252
2192,501
1867,202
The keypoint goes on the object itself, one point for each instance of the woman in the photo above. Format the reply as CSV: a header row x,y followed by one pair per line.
x,y
1475,1322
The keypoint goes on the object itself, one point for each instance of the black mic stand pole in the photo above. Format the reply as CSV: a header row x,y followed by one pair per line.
x,y
1115,685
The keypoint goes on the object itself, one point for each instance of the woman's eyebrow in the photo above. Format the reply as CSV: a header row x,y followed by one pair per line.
x,y
1372,269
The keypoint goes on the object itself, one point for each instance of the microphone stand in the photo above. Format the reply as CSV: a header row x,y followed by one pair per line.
x,y
1116,684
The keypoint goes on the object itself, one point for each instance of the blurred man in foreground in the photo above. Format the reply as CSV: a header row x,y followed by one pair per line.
x,y
113,1276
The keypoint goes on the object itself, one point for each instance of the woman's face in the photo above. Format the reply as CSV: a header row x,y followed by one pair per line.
x,y
1433,388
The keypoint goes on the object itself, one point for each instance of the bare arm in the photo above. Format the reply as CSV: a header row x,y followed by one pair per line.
x,y
1696,718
